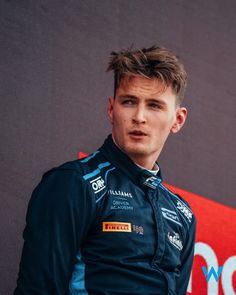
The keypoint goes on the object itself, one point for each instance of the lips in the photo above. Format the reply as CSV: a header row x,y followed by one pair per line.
x,y
137,133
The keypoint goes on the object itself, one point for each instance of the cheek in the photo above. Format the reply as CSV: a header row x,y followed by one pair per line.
x,y
120,117
162,124
118,122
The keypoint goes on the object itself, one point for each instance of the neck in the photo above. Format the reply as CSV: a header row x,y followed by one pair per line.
x,y
149,164
154,170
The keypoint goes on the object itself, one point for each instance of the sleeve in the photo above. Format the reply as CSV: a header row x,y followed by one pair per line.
x,y
186,260
58,218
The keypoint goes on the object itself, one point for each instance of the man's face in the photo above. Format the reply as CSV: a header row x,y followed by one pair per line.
x,y
142,116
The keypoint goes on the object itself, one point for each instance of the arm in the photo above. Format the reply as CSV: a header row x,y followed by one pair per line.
x,y
186,260
56,223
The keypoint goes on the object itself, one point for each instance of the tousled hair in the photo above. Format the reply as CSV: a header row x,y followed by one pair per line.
x,y
152,63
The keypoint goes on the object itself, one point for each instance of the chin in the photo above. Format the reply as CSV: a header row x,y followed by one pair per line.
x,y
135,150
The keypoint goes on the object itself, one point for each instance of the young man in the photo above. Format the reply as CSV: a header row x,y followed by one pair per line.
x,y
106,224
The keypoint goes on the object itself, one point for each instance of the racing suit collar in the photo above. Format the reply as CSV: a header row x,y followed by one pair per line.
x,y
117,157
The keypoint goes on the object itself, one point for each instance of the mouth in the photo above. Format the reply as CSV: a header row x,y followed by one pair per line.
x,y
137,133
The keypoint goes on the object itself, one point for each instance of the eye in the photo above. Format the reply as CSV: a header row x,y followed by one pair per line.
x,y
154,106
128,102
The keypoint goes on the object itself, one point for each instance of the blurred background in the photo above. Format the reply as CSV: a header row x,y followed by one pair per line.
x,y
54,90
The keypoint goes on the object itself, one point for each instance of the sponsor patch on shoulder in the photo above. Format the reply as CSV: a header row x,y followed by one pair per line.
x,y
170,215
112,226
185,210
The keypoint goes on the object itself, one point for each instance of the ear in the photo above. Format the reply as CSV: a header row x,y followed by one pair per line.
x,y
110,109
181,115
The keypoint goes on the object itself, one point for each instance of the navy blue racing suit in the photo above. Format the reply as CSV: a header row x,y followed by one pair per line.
x,y
102,225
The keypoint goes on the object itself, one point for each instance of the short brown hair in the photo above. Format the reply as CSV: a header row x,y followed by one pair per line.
x,y
153,63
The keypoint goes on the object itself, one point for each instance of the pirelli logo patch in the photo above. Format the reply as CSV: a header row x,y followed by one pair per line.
x,y
116,226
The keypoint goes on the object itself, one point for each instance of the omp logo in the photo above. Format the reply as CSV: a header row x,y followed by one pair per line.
x,y
187,213
98,184
116,227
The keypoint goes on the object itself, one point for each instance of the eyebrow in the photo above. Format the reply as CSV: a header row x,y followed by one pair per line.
x,y
127,96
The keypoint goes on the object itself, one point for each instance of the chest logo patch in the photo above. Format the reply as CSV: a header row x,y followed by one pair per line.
x,y
153,182
98,184
174,239
112,226
120,193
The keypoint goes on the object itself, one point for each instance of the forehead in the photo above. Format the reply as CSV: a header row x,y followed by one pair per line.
x,y
142,86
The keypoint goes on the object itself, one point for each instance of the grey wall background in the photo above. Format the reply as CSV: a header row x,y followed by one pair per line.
x,y
54,90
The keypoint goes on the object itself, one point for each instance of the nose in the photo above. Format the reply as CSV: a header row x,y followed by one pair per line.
x,y
139,116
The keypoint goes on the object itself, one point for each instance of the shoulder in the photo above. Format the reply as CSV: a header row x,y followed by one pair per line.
x,y
181,205
89,173
64,184
73,166
79,166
